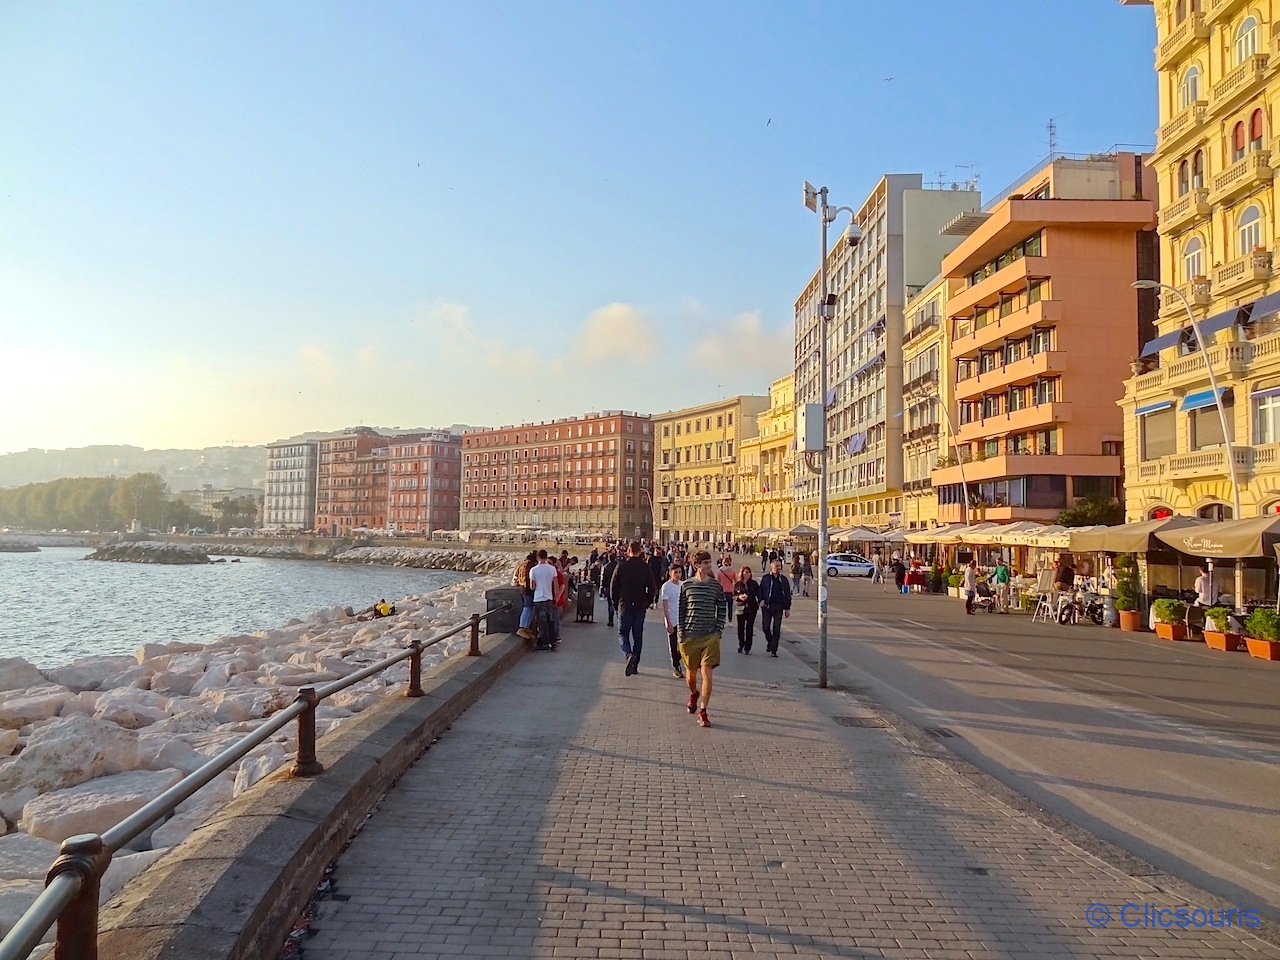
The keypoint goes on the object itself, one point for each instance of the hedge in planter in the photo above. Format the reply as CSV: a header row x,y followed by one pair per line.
x,y
1217,633
1171,618
1125,593
1262,634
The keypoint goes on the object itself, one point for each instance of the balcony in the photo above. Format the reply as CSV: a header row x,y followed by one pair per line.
x,y
921,433
1181,39
1182,125
1241,82
1230,361
920,329
1020,371
1197,465
1029,464
1016,421
1014,277
1218,9
1199,294
1044,313
1242,177
1187,209
1242,271
929,379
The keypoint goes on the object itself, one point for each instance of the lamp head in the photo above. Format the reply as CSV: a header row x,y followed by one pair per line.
x,y
1146,285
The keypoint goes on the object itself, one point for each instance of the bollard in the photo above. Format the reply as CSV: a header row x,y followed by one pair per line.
x,y
77,937
306,764
415,670
475,636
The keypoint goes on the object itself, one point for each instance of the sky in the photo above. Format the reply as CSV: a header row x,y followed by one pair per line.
x,y
233,222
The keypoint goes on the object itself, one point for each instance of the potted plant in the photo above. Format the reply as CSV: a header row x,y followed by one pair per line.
x,y
1137,366
937,581
1125,594
1217,633
1171,617
1262,634
954,582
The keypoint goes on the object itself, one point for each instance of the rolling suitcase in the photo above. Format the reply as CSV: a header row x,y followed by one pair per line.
x,y
586,610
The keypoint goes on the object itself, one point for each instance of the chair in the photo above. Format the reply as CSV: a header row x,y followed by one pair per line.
x,y
1044,597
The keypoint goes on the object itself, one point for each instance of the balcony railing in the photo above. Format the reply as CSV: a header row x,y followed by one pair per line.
x,y
1180,39
1217,9
1183,123
1201,463
920,433
1251,170
1199,294
924,380
920,329
1250,268
1192,206
1239,81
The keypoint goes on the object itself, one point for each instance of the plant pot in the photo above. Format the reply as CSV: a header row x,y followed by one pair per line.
x,y
1131,620
1171,631
1223,641
1263,649
955,592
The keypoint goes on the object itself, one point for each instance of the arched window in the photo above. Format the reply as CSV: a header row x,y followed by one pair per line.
x,y
1184,178
1189,93
1255,130
1197,170
1214,511
1248,230
1192,260
1159,513
1246,40
1237,142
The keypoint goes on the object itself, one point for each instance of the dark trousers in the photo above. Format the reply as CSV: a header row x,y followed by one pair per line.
x,y
673,638
771,624
746,627
631,629
543,625
728,605
609,602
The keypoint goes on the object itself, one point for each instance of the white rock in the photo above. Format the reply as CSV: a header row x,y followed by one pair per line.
x,y
261,761
193,813
16,897
25,858
189,717
27,706
89,673
172,684
132,708
151,651
94,806
123,868
138,677
163,752
63,753
8,740
18,674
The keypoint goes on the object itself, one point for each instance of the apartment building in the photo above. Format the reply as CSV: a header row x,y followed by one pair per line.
x,y
424,482
1041,328
351,491
592,473
289,495
766,464
901,246
698,449
927,399
1216,62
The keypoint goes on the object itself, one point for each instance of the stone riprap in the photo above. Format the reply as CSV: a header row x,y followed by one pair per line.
x,y
430,558
150,551
273,551
83,745
13,546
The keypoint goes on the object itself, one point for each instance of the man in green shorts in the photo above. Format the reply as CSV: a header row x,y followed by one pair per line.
x,y
703,612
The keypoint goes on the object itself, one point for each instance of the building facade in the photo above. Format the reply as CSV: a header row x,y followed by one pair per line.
x,y
901,246
346,498
766,465
289,497
926,399
1216,61
1041,329
698,450
592,473
424,482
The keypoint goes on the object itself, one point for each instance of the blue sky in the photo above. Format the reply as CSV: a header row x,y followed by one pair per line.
x,y
239,221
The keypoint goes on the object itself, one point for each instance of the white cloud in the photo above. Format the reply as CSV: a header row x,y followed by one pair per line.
x,y
747,346
617,331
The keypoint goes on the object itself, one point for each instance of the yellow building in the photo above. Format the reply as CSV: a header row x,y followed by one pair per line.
x,y
697,469
1217,62
766,464
926,389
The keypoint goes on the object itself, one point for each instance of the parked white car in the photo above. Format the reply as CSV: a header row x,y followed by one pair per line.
x,y
848,565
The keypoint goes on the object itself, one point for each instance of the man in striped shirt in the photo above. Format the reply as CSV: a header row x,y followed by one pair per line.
x,y
703,612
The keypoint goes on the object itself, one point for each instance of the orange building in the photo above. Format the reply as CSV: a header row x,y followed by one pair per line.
x,y
345,482
1042,329
424,473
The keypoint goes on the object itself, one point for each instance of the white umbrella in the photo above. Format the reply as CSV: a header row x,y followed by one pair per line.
x,y
802,530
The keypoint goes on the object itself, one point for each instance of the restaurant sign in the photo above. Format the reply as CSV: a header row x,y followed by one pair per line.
x,y
1202,546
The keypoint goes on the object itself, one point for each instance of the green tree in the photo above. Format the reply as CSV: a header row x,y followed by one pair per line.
x,y
143,497
1095,509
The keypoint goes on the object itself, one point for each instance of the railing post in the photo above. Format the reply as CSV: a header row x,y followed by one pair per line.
x,y
305,763
415,670
77,937
474,651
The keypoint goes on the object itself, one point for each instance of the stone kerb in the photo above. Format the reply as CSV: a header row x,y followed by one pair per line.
x,y
234,888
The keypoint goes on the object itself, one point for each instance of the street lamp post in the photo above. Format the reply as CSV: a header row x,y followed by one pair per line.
x,y
816,200
1222,416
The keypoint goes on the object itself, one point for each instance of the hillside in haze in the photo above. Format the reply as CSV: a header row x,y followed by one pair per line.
x,y
182,469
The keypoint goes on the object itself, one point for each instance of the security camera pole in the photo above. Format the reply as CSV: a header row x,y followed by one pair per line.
x,y
826,312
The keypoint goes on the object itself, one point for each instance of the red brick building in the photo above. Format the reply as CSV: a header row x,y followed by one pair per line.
x,y
344,481
424,481
592,473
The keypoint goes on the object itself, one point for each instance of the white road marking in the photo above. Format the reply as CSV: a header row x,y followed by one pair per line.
x,y
1152,696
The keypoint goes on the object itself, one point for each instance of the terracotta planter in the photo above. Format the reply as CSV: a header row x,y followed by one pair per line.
x,y
1171,631
1263,649
1131,620
1223,641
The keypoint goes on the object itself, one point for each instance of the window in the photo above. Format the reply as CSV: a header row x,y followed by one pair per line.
x,y
1246,40
1197,170
1214,511
1249,231
1266,419
1189,93
1255,130
1158,434
1192,260
1184,178
1206,425
1237,142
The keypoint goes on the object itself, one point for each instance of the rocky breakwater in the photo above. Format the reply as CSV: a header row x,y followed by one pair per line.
x,y
491,562
150,551
13,546
274,551
85,745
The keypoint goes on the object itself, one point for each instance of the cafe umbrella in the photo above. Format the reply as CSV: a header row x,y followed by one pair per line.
x,y
1228,540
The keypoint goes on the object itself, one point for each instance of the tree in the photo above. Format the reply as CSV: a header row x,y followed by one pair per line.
x,y
1095,509
143,497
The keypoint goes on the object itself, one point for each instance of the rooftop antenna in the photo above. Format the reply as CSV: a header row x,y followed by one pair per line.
x,y
1053,137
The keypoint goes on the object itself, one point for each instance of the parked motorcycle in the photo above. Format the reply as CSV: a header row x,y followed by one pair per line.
x,y
1082,605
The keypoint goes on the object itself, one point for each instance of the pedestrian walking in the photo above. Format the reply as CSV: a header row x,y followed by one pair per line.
x,y
606,578
658,569
797,567
521,579
970,585
806,576
701,620
746,595
669,601
899,574
1001,577
634,591
727,578
775,604
543,580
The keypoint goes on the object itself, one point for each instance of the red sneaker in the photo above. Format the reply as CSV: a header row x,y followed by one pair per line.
x,y
703,720
693,703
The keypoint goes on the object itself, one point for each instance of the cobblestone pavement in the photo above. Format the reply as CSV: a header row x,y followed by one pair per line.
x,y
575,812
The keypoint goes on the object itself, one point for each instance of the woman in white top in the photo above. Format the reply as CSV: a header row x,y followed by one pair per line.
x,y
970,585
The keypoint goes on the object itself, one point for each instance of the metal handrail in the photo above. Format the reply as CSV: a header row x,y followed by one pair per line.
x,y
70,896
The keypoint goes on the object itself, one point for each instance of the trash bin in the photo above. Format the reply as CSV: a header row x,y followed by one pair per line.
x,y
586,609
508,620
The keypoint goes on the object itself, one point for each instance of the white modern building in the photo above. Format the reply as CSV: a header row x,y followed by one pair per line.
x,y
289,501
901,249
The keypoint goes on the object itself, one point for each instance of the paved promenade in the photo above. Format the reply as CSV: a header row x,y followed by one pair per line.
x,y
575,812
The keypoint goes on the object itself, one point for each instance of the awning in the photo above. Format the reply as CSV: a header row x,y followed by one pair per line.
x,y
1227,318
1265,306
1128,537
856,443
1254,537
1153,408
1201,399
1161,343
867,365
1270,392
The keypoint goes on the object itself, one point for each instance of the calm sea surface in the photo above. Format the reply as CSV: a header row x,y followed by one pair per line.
x,y
55,606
